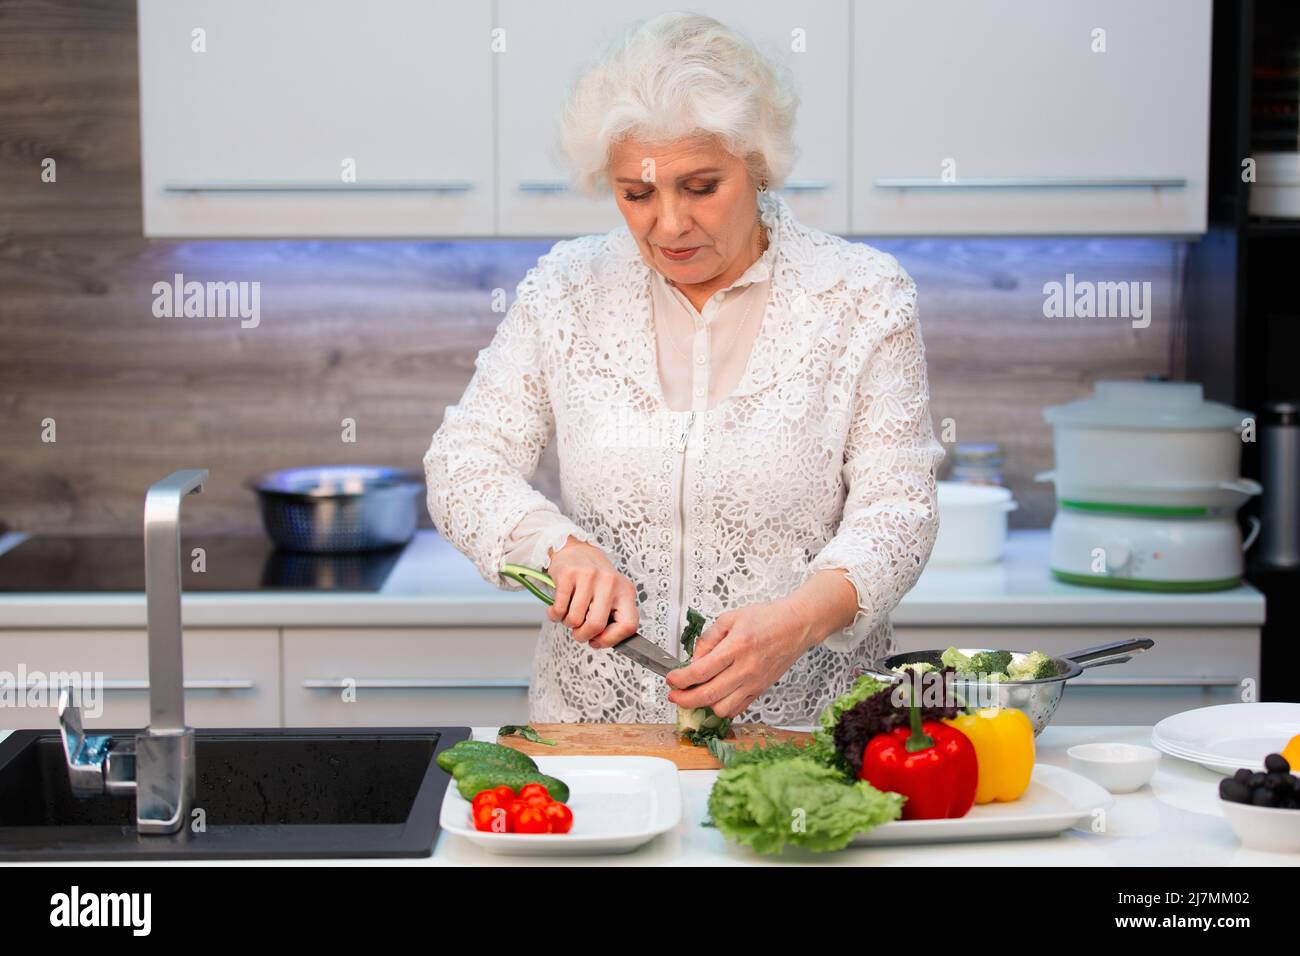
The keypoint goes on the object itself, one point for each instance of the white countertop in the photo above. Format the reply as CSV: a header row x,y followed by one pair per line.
x,y
434,585
1175,821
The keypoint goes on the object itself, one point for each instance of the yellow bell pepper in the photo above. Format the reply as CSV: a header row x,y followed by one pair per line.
x,y
1292,752
1004,747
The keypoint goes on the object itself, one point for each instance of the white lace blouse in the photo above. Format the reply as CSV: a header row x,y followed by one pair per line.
x,y
802,444
718,338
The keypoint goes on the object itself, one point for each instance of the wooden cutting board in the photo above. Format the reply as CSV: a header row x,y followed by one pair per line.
x,y
641,740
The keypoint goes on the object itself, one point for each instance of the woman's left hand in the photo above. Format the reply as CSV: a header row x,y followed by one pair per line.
x,y
742,654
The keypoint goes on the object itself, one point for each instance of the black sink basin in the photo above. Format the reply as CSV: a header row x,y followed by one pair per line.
x,y
278,793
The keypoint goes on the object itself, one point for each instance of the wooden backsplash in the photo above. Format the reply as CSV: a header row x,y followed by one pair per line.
x,y
382,332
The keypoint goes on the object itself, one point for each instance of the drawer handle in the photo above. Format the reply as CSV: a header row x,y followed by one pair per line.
x,y
325,186
543,186
1034,182
806,185
128,683
415,683
1155,682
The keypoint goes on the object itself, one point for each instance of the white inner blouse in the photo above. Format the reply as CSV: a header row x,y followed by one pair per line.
x,y
702,357
703,354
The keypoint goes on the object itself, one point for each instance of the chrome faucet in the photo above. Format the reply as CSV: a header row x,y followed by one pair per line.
x,y
155,766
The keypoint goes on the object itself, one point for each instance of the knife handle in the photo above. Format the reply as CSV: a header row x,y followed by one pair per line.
x,y
526,575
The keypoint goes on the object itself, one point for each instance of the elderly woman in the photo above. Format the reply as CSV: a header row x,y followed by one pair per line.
x,y
740,403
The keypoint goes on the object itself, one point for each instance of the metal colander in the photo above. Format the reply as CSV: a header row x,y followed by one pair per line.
x,y
1037,698
338,507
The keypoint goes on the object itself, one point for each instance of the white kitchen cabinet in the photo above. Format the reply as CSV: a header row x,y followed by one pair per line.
x,y
231,676
1187,668
546,51
917,117
406,677
1037,130
251,136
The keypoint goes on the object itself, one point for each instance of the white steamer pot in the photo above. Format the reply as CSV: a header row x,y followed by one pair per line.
x,y
972,523
1154,447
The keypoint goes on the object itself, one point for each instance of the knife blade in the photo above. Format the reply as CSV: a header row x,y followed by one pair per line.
x,y
636,648
647,654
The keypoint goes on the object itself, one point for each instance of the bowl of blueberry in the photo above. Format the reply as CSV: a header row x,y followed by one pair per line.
x,y
1263,807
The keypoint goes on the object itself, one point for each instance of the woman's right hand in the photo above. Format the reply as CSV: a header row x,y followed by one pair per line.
x,y
587,591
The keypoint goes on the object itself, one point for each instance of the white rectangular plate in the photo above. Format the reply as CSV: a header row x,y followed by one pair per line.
x,y
1055,801
618,804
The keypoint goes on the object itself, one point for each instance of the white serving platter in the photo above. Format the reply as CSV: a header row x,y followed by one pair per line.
x,y
1227,737
618,804
1056,800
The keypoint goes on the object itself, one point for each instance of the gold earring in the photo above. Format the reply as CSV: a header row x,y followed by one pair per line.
x,y
762,186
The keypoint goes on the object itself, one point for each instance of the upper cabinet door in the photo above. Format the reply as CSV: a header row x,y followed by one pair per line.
x,y
1025,116
545,51
328,118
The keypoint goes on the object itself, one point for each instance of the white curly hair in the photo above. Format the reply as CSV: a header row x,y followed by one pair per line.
x,y
675,76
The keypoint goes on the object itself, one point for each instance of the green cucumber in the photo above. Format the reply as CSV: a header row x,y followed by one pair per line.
x,y
472,750
476,763
490,776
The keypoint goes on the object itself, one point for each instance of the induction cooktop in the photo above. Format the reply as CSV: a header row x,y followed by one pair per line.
x,y
77,564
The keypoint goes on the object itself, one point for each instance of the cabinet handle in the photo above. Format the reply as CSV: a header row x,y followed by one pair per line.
x,y
415,683
270,186
129,683
1155,682
806,185
543,186
1034,182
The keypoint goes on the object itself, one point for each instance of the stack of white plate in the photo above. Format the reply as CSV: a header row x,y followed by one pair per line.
x,y
1230,736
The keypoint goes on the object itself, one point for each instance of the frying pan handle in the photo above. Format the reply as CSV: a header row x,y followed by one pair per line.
x,y
526,576
1115,648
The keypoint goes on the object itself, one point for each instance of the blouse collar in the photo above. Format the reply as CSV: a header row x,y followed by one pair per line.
x,y
803,263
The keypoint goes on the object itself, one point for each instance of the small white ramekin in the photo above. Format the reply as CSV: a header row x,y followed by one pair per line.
x,y
1120,768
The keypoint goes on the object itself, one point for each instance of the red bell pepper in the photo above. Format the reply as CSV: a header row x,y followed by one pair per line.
x,y
930,763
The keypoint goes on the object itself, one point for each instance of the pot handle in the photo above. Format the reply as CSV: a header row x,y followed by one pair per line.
x,y
1254,532
1245,486
1008,506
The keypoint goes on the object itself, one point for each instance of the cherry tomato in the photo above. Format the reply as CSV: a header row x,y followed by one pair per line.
x,y
491,817
531,820
560,817
532,790
513,809
484,797
504,794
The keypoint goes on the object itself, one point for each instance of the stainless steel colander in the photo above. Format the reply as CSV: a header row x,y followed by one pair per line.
x,y
1037,698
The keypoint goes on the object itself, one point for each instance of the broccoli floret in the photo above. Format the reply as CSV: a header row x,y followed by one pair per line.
x,y
916,667
1033,666
993,664
956,660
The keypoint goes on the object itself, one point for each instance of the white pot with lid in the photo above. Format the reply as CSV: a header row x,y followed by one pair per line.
x,y
972,523
1154,448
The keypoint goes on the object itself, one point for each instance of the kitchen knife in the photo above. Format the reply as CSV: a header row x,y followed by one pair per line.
x,y
637,648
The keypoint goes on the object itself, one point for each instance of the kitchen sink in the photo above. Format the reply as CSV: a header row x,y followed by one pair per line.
x,y
259,794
